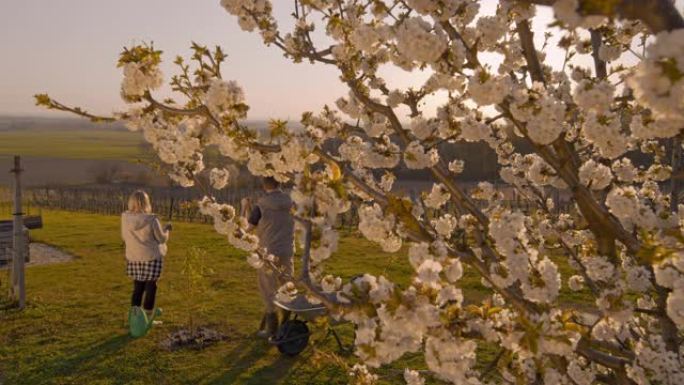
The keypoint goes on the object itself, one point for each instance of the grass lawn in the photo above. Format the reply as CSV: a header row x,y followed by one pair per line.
x,y
96,143
74,329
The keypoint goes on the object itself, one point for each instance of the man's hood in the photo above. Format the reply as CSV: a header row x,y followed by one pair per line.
x,y
275,200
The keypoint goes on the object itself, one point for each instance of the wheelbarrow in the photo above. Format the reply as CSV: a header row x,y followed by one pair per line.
x,y
293,334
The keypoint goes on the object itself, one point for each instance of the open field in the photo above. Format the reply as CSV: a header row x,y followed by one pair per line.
x,y
68,156
74,330
77,143
75,138
74,154
69,172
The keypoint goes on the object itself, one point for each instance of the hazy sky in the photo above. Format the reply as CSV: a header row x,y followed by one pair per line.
x,y
68,48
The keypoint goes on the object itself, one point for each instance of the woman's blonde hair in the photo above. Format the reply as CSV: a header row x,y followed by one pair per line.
x,y
139,202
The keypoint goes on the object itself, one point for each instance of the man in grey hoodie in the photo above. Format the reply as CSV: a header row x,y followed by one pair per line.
x,y
275,228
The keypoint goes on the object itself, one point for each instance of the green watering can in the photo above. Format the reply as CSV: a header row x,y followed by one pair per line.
x,y
138,322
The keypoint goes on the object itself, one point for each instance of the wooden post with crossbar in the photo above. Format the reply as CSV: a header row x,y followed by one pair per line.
x,y
18,286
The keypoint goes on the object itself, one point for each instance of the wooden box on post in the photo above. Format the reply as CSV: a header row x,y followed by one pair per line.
x,y
7,241
31,222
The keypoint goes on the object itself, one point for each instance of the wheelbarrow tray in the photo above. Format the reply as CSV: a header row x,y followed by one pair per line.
x,y
302,307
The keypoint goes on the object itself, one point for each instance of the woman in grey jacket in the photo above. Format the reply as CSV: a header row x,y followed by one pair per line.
x,y
145,241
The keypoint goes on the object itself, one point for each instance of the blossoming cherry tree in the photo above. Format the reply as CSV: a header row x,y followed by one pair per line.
x,y
617,96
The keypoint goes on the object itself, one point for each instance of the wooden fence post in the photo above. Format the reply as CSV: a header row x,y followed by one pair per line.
x,y
18,257
170,215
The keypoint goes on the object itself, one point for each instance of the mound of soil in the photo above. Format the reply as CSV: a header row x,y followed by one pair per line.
x,y
198,339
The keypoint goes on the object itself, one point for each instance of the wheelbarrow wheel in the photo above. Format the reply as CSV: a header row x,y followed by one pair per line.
x,y
292,337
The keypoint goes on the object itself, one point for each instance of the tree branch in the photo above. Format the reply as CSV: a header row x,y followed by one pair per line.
x,y
527,43
51,104
658,15
599,65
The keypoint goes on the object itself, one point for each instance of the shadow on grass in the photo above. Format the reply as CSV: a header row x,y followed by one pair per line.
x,y
7,305
274,373
66,366
246,355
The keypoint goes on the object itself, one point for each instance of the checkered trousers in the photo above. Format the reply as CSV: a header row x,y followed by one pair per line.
x,y
145,270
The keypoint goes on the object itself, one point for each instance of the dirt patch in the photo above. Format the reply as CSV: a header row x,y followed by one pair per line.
x,y
42,254
198,339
